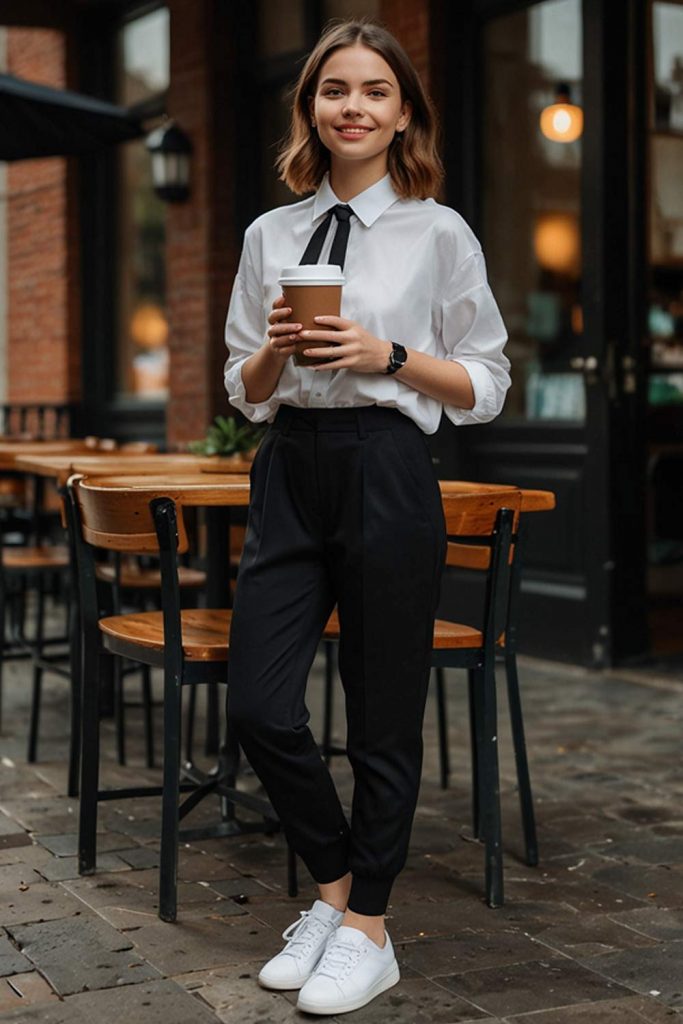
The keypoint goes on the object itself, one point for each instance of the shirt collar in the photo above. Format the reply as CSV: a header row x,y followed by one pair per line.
x,y
367,205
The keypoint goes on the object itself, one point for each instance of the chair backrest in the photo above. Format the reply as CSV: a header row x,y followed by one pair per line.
x,y
120,520
482,530
470,523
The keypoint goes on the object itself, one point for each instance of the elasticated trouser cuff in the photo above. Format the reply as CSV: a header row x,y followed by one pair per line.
x,y
369,895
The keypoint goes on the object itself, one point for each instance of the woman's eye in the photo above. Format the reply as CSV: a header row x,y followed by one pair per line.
x,y
331,92
377,92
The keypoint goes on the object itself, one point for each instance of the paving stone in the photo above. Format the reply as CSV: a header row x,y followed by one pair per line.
x,y
651,850
160,1002
58,869
43,902
11,960
7,825
31,855
585,895
139,857
136,889
661,886
11,840
592,935
659,968
656,922
82,953
238,885
235,995
619,1011
199,943
13,876
467,951
536,985
66,845
24,990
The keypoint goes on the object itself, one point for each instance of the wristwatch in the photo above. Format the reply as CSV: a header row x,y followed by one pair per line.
x,y
397,357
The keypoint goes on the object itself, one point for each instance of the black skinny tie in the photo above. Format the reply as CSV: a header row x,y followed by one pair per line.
x,y
341,237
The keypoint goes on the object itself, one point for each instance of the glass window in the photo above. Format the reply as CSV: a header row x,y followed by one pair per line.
x,y
531,200
142,356
665,305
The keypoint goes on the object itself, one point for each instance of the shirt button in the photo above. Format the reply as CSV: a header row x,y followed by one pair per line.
x,y
317,394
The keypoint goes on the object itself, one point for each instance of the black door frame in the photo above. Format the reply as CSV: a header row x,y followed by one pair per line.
x,y
593,611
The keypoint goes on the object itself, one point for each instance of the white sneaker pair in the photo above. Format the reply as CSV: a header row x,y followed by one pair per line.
x,y
336,968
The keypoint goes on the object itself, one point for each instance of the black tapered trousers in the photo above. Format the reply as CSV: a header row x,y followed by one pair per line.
x,y
345,509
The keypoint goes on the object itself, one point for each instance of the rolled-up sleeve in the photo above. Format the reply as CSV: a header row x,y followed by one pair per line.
x,y
474,335
245,331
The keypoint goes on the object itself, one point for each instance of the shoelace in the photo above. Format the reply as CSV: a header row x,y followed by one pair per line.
x,y
338,959
303,933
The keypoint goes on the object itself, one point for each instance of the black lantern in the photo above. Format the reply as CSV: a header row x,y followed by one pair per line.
x,y
170,149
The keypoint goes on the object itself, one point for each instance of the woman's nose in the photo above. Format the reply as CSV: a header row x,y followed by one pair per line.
x,y
350,108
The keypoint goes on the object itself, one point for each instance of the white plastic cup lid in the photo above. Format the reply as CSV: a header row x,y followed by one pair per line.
x,y
312,273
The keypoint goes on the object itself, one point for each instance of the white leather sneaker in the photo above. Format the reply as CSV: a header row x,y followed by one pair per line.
x,y
351,972
306,942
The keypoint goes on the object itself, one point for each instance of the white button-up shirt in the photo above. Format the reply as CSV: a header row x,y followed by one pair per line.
x,y
415,274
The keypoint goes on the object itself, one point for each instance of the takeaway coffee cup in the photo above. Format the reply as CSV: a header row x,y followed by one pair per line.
x,y
311,289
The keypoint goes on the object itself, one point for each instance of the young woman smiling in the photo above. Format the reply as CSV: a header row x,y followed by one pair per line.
x,y
345,506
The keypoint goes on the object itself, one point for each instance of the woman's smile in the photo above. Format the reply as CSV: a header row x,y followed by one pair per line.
x,y
350,131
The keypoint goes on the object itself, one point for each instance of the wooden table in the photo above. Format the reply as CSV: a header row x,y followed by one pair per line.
x,y
10,451
60,466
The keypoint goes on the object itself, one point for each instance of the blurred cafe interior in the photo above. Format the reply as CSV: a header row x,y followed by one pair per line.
x,y
562,124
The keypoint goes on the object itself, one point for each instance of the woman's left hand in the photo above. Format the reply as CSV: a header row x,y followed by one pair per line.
x,y
356,349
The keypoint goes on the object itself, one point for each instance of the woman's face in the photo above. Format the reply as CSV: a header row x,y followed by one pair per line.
x,y
357,107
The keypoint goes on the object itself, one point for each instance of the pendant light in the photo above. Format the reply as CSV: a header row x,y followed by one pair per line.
x,y
562,121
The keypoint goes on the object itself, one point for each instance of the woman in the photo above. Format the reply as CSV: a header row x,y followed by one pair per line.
x,y
345,507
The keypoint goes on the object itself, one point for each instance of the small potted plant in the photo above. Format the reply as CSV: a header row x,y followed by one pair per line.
x,y
225,438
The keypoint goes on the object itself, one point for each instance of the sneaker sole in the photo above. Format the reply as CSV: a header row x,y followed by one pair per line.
x,y
388,980
282,986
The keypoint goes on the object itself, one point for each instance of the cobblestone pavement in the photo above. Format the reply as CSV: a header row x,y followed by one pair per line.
x,y
594,934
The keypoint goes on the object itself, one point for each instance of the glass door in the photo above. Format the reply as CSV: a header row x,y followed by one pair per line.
x,y
664,333
552,183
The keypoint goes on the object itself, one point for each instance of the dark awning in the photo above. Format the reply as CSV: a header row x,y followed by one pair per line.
x,y
38,121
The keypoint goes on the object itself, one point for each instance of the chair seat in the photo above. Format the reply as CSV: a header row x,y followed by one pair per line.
x,y
133,576
41,557
447,635
205,631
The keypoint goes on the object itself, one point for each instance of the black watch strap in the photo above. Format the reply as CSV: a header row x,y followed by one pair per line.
x,y
397,357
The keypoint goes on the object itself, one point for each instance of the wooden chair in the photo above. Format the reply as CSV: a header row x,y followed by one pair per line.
x,y
481,530
191,646
29,567
506,650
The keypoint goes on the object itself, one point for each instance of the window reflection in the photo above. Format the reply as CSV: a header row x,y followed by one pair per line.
x,y
531,234
665,312
142,358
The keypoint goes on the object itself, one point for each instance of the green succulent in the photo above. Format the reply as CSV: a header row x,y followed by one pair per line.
x,y
224,437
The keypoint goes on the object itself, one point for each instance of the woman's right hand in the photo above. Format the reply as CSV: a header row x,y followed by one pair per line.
x,y
282,334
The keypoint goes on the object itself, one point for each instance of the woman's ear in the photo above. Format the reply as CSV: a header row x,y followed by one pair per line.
x,y
404,119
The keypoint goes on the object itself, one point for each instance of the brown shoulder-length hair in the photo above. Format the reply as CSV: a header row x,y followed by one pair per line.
x,y
413,159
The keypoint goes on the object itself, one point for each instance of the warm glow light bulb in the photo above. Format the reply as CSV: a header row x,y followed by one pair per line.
x,y
562,121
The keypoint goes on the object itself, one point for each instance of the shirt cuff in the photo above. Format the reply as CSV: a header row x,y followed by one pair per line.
x,y
485,405
257,412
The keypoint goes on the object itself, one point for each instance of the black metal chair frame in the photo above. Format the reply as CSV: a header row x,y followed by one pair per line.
x,y
480,664
507,653
178,672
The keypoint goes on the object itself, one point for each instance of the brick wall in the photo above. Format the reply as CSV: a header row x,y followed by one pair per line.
x,y
44,346
202,250
408,20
